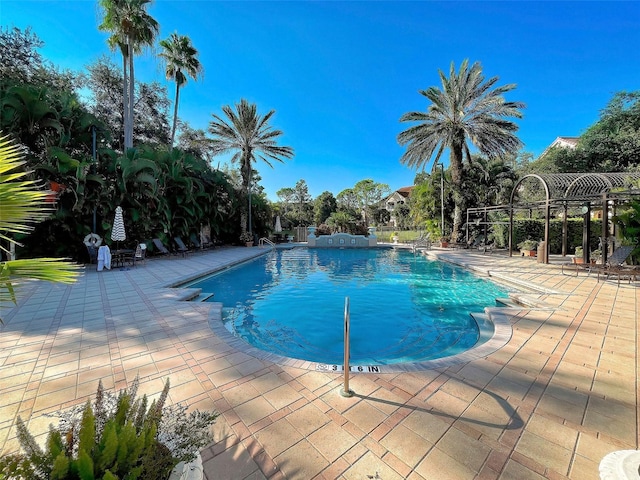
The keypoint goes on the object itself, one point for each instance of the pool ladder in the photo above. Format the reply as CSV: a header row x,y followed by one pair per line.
x,y
264,240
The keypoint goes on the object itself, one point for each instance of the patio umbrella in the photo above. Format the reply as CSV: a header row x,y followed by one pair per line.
x,y
278,228
117,232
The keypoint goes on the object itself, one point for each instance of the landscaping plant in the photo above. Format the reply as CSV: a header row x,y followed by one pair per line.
x,y
115,438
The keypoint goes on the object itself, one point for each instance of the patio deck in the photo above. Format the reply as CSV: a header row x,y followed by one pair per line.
x,y
559,396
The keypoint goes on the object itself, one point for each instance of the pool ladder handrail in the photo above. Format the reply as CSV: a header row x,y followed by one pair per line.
x,y
264,240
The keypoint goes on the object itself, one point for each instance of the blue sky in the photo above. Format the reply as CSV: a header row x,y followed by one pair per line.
x,y
340,74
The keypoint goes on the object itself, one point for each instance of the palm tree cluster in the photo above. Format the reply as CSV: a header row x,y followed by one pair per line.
x,y
132,29
245,133
164,191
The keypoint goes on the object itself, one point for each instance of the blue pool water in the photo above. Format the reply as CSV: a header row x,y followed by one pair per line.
x,y
404,307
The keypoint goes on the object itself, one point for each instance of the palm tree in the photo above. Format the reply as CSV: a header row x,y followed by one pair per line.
x,y
466,109
181,59
131,28
22,206
250,137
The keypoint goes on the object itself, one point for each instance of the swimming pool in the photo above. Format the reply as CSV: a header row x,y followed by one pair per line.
x,y
404,307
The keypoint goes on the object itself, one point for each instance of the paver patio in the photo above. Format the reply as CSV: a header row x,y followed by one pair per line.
x,y
560,395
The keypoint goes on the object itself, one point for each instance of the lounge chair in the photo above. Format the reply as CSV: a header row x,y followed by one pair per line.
x,y
181,247
482,245
193,238
207,242
162,250
199,245
615,264
578,265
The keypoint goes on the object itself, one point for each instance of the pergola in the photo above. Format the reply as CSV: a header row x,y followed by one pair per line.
x,y
560,191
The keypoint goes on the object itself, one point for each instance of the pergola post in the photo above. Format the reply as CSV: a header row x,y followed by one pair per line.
x,y
547,214
486,226
467,228
565,228
511,228
586,232
605,229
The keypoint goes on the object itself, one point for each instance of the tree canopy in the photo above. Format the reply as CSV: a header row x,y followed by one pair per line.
x,y
611,144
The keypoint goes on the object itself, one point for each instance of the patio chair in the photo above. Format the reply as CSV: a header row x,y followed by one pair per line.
x,y
93,254
486,247
141,254
423,240
104,258
181,247
615,265
483,245
162,250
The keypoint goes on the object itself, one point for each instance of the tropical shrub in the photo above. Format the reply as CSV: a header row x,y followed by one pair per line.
x,y
340,221
628,221
323,229
116,437
359,229
528,244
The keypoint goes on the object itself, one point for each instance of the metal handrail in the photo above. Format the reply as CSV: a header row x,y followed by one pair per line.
x,y
346,391
264,240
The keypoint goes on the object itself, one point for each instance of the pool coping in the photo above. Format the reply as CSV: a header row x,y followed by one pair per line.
x,y
497,319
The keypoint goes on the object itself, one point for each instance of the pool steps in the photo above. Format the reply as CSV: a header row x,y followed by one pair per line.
x,y
507,302
203,297
485,326
523,301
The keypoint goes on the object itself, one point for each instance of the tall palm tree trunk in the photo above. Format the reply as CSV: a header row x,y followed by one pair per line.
x,y
131,98
246,184
175,114
456,181
125,98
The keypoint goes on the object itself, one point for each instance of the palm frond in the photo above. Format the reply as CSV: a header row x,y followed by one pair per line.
x,y
467,108
21,205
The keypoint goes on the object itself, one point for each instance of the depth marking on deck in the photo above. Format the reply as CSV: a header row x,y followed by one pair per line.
x,y
340,368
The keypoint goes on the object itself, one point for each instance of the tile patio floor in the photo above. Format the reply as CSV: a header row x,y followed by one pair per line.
x,y
559,396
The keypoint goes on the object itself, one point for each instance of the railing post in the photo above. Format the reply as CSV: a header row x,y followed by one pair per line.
x,y
345,391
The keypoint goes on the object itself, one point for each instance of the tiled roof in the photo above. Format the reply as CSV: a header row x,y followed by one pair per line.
x,y
563,142
405,191
567,141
